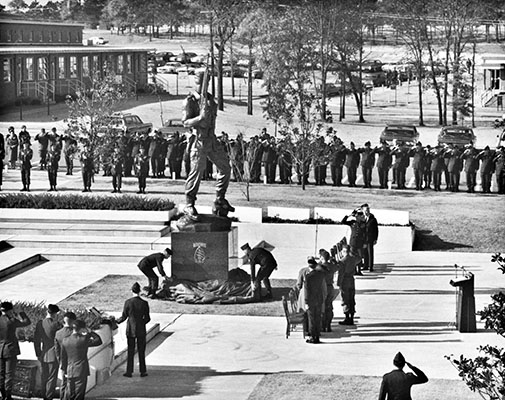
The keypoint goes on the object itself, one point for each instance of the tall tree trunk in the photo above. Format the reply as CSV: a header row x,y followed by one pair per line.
x,y
420,94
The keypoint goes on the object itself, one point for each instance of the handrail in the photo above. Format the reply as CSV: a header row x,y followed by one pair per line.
x,y
486,96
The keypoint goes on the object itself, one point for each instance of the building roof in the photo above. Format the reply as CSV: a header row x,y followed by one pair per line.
x,y
491,61
53,50
35,22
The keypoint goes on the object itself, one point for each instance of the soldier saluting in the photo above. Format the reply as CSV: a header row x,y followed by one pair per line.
x,y
199,114
25,157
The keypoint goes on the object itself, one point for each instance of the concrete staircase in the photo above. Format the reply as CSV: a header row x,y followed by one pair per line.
x,y
29,236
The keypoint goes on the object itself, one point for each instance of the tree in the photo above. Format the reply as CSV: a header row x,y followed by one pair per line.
x,y
17,5
92,11
89,110
485,373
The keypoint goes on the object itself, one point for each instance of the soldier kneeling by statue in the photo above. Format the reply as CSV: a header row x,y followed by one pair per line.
x,y
267,264
199,114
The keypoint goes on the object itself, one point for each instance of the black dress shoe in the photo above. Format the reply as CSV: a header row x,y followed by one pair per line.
x,y
144,375
127,375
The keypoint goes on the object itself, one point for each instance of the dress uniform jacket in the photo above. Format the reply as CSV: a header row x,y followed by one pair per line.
x,y
471,160
396,384
58,340
45,332
9,346
367,158
136,310
74,354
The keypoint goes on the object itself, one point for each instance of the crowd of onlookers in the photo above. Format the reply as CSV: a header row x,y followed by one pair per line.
x,y
261,158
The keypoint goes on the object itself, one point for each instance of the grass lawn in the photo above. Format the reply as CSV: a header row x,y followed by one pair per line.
x,y
109,293
291,386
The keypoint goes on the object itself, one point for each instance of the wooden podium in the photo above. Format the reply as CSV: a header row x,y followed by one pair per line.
x,y
202,250
465,308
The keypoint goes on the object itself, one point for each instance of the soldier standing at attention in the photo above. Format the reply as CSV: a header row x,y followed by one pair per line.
x,y
45,333
383,164
352,157
13,145
25,157
43,139
53,158
367,163
199,114
418,162
68,319
142,169
486,168
2,155
116,169
9,346
87,167
470,155
267,263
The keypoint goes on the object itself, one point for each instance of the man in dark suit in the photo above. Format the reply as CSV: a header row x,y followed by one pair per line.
x,y
45,332
371,236
9,346
147,265
315,293
136,311
396,384
74,359
68,319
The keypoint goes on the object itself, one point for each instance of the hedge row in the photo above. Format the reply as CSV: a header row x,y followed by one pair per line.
x,y
37,311
83,202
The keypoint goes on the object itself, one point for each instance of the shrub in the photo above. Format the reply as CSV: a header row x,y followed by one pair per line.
x,y
37,311
79,202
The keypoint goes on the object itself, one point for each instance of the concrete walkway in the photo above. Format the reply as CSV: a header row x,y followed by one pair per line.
x,y
406,305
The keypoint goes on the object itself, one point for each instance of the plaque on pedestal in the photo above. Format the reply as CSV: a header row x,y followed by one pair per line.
x,y
202,249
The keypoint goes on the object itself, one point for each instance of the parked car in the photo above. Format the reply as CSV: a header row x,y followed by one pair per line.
x,y
456,135
188,68
169,68
185,57
256,74
238,72
400,133
372,71
171,126
98,40
125,123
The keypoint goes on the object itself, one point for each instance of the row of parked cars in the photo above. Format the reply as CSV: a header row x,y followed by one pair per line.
x,y
449,135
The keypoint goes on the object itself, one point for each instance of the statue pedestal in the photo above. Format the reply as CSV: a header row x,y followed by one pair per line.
x,y
202,250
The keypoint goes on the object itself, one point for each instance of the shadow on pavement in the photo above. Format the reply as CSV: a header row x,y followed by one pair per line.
x,y
426,240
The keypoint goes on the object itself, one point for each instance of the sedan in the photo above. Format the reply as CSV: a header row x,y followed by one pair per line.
x,y
169,68
456,135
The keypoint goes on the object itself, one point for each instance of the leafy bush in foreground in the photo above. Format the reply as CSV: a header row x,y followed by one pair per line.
x,y
82,202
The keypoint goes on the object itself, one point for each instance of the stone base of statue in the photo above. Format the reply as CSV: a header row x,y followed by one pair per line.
x,y
203,249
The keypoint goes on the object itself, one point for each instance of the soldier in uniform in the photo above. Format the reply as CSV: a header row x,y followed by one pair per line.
x,y
9,346
486,168
25,157
87,166
454,166
402,160
470,155
383,164
437,167
358,235
367,164
69,149
147,265
74,359
24,136
314,289
345,281
116,169
418,160
499,166
68,319
43,139
53,159
266,261
428,156
352,158
142,169
45,333
330,268
199,114
337,160
13,145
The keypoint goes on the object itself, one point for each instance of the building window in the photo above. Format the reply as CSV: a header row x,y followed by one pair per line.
x,y
42,69
7,70
120,65
73,67
85,66
69,37
28,75
129,64
61,68
31,36
60,36
96,64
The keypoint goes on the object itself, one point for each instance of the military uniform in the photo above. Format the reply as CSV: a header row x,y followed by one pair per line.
x,y
116,171
383,164
53,159
437,167
25,157
43,139
337,160
2,156
470,156
499,165
69,150
367,164
352,159
401,163
345,281
13,145
74,363
454,167
58,341
266,261
486,169
205,146
315,295
9,350
146,266
87,168
45,333
142,170
418,165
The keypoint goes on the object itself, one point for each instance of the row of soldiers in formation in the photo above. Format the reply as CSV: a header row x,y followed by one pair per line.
x,y
145,154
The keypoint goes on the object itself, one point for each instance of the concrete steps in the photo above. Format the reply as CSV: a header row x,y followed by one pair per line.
x,y
82,229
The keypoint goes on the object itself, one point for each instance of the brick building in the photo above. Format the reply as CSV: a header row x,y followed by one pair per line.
x,y
46,61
